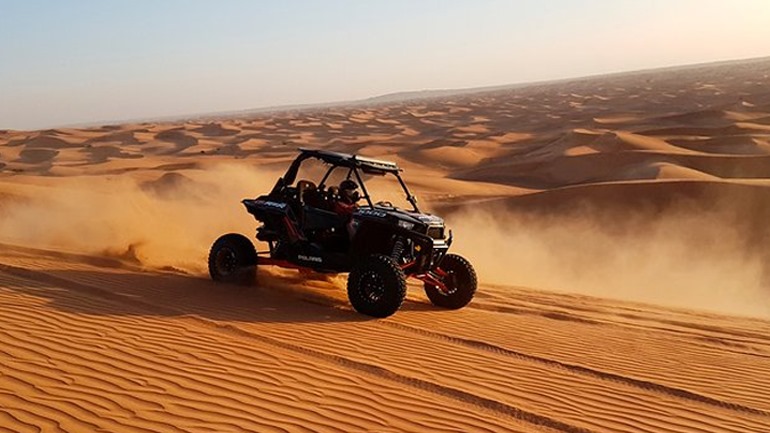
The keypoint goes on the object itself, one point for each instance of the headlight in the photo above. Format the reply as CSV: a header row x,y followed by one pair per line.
x,y
436,232
406,225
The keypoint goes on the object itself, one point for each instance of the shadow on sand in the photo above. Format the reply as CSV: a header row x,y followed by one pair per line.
x,y
272,299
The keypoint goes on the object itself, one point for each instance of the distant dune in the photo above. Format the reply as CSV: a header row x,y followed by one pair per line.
x,y
619,225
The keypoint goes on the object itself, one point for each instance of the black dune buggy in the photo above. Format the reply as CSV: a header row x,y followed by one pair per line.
x,y
379,244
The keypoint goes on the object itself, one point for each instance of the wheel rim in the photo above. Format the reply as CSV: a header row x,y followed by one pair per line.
x,y
372,287
226,261
450,282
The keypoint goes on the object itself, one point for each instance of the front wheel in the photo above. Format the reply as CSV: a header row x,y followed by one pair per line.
x,y
377,286
459,277
233,259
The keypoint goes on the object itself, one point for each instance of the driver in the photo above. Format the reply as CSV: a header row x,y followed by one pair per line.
x,y
348,196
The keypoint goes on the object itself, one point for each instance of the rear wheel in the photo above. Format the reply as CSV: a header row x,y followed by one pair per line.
x,y
459,277
233,259
377,286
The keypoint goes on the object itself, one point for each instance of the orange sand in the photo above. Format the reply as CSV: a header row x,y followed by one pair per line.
x,y
618,225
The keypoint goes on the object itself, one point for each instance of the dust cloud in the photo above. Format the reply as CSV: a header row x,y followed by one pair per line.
x,y
698,260
682,258
166,222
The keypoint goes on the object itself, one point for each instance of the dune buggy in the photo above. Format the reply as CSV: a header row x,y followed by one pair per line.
x,y
379,244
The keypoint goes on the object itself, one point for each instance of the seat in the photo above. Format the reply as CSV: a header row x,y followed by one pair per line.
x,y
305,188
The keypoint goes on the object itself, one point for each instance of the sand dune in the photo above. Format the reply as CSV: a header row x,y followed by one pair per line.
x,y
305,360
618,225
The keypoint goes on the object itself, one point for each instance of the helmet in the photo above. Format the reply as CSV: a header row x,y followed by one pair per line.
x,y
349,191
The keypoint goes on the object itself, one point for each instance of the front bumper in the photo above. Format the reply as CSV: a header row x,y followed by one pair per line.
x,y
428,253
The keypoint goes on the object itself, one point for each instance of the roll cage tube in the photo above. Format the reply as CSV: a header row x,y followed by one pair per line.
x,y
350,162
363,188
329,172
412,199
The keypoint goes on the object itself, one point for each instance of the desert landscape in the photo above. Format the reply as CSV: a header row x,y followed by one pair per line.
x,y
618,224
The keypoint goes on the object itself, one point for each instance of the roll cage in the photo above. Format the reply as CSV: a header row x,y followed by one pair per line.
x,y
354,163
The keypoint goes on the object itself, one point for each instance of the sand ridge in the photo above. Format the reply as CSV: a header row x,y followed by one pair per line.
x,y
122,335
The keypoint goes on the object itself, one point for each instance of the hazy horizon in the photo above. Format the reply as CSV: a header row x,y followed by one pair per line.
x,y
89,61
331,103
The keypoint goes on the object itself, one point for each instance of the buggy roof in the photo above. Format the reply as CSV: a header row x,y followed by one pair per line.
x,y
368,165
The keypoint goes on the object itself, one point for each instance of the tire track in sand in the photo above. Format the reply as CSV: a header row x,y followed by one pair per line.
x,y
480,402
603,375
365,366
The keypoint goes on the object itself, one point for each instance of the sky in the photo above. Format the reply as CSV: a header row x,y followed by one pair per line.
x,y
91,61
